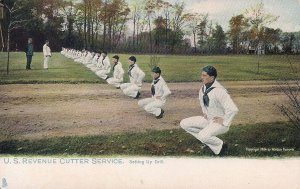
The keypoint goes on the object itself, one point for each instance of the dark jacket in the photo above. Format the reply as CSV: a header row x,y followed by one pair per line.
x,y
29,50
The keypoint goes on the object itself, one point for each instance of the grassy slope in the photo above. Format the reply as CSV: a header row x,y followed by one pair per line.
x,y
270,138
175,68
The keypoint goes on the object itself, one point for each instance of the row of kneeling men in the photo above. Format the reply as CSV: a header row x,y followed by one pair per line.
x,y
100,64
216,104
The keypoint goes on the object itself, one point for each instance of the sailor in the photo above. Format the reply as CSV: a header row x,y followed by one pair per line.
x,y
118,73
136,76
47,54
159,91
104,67
218,111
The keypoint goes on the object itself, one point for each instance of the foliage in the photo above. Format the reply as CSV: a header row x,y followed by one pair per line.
x,y
142,26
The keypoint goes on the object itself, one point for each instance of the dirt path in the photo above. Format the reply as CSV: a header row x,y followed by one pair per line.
x,y
38,111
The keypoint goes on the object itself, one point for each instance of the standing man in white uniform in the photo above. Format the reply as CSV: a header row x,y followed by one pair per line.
x,y
47,54
218,112
136,76
160,91
118,73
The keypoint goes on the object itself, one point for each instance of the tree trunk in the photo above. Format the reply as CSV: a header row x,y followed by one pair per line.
x,y
150,36
8,41
2,38
195,43
104,26
166,45
84,24
134,23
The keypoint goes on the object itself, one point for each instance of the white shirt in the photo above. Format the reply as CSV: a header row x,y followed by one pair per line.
x,y
220,104
104,64
161,89
137,75
118,72
46,50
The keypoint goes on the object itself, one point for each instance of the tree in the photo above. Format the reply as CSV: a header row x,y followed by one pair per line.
x,y
16,17
219,41
238,26
193,21
258,18
202,32
271,39
150,7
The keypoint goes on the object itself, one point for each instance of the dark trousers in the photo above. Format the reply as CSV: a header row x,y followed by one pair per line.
x,y
29,58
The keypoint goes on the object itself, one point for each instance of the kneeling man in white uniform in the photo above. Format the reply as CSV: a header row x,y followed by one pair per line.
x,y
136,76
118,73
160,91
218,109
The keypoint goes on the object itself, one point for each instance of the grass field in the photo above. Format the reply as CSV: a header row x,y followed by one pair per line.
x,y
175,68
260,140
255,140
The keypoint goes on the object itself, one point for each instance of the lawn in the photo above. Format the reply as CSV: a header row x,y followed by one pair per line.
x,y
175,68
259,140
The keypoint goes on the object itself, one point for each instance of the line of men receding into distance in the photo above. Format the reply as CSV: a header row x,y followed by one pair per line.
x,y
217,106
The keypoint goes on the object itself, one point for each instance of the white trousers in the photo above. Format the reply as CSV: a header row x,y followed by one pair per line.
x,y
102,74
114,81
205,131
152,105
130,89
46,60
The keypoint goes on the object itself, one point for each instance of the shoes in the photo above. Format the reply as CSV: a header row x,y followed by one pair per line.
x,y
106,77
118,88
161,115
138,95
224,149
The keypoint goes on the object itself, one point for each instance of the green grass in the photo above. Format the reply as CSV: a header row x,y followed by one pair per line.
x,y
267,139
62,70
175,68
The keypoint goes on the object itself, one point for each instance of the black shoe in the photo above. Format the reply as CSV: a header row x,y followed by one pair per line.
x,y
106,77
118,88
161,115
138,95
224,149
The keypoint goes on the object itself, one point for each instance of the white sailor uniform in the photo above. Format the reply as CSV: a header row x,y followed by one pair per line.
x,y
152,105
118,74
47,54
220,105
136,76
104,68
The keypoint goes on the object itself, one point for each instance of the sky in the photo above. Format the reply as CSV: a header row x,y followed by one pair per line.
x,y
220,11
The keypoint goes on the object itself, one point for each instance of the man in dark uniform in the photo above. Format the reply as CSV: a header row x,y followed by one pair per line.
x,y
29,53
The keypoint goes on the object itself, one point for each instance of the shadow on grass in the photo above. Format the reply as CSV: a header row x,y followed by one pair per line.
x,y
261,140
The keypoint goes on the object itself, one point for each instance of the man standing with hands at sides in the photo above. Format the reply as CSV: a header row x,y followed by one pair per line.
x,y
47,54
29,53
218,109
160,91
136,76
118,73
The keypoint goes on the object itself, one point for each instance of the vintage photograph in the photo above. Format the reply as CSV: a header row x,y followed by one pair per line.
x,y
150,93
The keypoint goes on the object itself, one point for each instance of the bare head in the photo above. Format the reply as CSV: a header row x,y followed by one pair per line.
x,y
131,60
208,74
